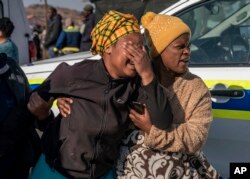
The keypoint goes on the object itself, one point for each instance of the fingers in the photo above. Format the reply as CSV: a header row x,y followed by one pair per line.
x,y
29,106
38,107
142,121
144,67
63,112
146,113
145,50
34,100
133,51
64,106
135,116
51,100
69,100
138,55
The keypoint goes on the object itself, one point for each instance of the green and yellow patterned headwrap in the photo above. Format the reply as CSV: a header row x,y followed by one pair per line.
x,y
110,29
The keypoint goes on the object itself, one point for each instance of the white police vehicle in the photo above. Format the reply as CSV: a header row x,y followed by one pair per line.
x,y
221,56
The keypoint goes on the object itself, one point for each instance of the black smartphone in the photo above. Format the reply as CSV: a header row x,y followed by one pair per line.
x,y
137,106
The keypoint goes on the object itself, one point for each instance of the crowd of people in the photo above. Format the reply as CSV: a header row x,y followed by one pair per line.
x,y
98,134
63,35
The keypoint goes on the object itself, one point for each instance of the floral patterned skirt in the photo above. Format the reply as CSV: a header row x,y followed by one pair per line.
x,y
138,162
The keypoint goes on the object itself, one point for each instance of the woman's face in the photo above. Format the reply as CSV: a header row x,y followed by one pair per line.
x,y
119,65
176,56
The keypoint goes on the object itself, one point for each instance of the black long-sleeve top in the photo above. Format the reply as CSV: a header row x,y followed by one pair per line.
x,y
88,139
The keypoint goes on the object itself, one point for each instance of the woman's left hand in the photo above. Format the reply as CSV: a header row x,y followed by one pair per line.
x,y
138,54
38,107
142,121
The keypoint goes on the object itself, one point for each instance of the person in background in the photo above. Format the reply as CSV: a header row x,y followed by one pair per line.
x,y
53,31
42,37
174,152
84,18
69,39
85,144
36,33
86,41
7,46
20,145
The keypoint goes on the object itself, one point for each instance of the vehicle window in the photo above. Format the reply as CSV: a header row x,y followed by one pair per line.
x,y
159,5
1,9
220,32
138,8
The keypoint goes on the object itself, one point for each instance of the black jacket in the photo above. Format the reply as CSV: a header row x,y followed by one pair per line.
x,y
86,41
20,145
87,142
53,32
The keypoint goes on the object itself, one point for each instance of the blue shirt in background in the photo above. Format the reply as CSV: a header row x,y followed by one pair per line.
x,y
10,49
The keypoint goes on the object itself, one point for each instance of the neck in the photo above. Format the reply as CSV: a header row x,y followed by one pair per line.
x,y
108,68
3,40
166,76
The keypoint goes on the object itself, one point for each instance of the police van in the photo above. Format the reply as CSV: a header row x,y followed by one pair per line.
x,y
220,55
14,9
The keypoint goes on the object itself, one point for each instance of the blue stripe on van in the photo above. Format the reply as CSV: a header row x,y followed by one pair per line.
x,y
235,104
34,86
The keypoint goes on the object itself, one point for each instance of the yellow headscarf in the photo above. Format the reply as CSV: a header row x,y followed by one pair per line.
x,y
110,28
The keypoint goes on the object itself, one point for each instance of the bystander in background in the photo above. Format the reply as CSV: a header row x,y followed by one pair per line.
x,y
86,41
69,39
84,18
53,31
36,31
7,46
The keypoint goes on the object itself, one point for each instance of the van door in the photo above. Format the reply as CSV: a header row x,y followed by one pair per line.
x,y
220,55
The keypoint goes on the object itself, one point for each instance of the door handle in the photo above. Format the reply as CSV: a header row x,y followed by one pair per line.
x,y
228,93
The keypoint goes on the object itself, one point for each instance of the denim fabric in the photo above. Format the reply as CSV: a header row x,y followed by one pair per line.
x,y
42,171
109,175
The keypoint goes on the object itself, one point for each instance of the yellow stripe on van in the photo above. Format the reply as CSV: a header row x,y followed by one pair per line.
x,y
231,114
241,83
36,81
217,113
209,83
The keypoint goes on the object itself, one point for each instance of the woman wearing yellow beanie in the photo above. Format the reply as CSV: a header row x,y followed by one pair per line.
x,y
174,152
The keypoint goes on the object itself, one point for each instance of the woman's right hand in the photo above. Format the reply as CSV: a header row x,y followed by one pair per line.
x,y
142,121
63,105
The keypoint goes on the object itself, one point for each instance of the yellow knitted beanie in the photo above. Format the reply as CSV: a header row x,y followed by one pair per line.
x,y
161,30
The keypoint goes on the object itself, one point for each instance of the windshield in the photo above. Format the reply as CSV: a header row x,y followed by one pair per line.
x,y
207,17
1,9
220,32
138,8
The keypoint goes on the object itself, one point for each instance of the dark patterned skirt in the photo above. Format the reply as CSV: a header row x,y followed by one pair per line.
x,y
138,162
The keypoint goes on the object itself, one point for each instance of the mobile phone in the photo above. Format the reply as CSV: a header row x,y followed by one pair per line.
x,y
137,106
